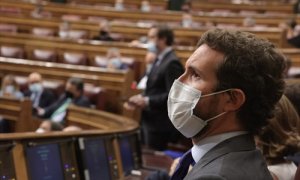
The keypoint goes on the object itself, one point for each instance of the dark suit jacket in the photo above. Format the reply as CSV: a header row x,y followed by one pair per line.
x,y
161,77
46,99
81,101
233,159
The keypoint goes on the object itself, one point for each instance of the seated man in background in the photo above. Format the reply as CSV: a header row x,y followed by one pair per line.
x,y
73,94
104,32
39,96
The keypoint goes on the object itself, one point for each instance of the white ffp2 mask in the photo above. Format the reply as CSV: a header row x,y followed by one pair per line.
x,y
181,103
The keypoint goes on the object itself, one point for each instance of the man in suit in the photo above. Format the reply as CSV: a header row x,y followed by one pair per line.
x,y
156,127
225,96
39,96
73,95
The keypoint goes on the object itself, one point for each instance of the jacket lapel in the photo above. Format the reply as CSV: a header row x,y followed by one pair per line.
x,y
235,144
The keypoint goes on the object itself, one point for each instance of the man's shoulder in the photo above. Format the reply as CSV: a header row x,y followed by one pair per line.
x,y
83,101
234,165
171,56
47,92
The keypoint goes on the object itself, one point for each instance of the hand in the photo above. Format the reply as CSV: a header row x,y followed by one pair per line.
x,y
40,111
129,106
138,101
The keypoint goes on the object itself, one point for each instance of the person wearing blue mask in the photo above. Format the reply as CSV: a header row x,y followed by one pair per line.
x,y
40,96
10,88
226,95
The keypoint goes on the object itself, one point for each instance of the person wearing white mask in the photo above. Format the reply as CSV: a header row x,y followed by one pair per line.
x,y
119,5
39,96
227,93
156,126
145,6
187,20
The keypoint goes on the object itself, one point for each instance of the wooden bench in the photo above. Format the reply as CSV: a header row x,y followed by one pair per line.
x,y
92,48
116,83
88,118
200,5
132,31
85,11
18,113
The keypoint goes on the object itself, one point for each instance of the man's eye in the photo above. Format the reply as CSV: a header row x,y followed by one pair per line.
x,y
195,75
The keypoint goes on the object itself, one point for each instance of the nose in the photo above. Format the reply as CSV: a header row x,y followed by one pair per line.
x,y
182,78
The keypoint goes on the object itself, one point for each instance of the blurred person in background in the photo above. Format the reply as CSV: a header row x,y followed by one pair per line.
x,y
280,139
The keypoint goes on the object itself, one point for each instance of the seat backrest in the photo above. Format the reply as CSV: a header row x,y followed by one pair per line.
x,y
77,34
13,52
96,95
70,17
8,28
74,58
99,61
42,31
44,55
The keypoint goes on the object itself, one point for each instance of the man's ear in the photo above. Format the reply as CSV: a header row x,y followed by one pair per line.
x,y
236,98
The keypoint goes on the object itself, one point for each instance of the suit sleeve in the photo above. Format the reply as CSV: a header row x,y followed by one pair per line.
x,y
50,109
173,71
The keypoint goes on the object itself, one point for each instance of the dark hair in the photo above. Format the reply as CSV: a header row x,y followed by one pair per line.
x,y
292,23
164,31
77,82
280,138
252,65
292,91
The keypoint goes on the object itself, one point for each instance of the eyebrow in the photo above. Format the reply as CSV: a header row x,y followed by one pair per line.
x,y
193,68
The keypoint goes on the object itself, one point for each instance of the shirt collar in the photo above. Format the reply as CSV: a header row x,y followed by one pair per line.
x,y
162,54
202,147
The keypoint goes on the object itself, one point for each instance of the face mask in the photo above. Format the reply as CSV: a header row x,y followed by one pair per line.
x,y
181,103
187,23
119,6
9,89
116,62
145,8
36,87
151,46
69,94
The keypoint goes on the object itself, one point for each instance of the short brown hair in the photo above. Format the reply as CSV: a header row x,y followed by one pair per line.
x,y
252,65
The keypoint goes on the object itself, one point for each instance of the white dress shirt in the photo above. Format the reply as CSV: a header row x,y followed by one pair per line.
x,y
202,147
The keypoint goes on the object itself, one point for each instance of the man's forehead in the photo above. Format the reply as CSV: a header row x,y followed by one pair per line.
x,y
205,58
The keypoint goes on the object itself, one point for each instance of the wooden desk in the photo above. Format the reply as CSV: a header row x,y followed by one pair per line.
x,y
18,113
20,141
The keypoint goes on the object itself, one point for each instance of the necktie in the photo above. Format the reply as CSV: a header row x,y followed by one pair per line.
x,y
182,168
58,114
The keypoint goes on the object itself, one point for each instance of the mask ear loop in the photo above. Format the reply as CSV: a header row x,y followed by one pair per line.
x,y
214,93
215,117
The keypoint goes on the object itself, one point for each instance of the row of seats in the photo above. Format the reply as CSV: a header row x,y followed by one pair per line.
x,y
66,57
95,94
